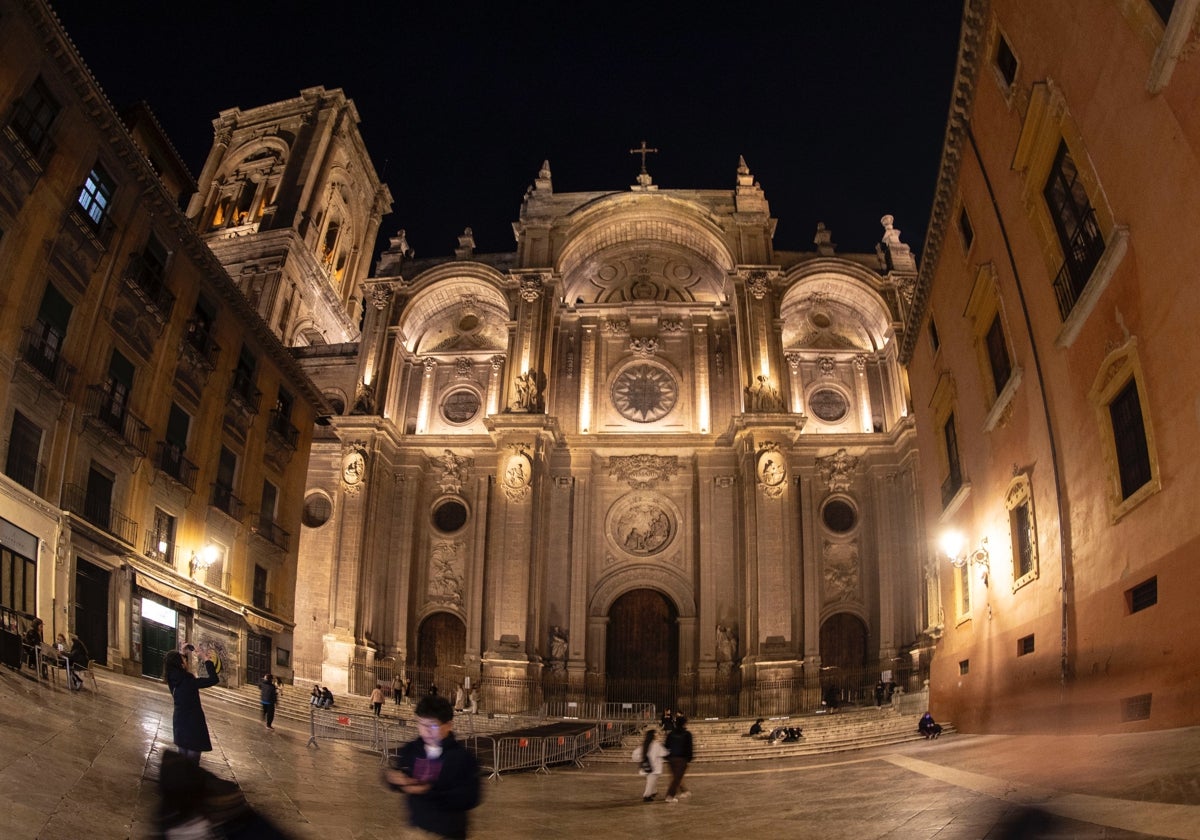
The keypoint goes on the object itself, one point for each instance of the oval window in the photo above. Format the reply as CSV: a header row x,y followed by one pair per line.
x,y
460,406
450,516
828,405
839,516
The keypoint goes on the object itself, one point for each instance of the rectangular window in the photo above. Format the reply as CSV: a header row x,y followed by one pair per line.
x,y
1135,708
953,480
243,377
1142,596
997,351
964,227
1129,436
1076,226
97,500
178,423
33,115
260,587
1025,645
934,341
96,195
1006,61
964,667
53,316
1022,540
270,497
24,448
18,582
162,542
116,390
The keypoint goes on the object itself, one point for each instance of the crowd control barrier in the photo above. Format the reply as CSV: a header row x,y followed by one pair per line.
x,y
505,753
368,731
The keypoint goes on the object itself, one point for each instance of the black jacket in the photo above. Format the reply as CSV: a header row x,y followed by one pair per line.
x,y
268,692
679,744
191,728
443,810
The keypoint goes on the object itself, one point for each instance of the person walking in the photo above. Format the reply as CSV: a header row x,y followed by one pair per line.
x,y
269,696
397,689
650,757
439,776
188,722
377,699
679,753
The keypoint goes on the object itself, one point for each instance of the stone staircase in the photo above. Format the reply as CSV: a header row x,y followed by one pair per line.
x,y
849,729
715,740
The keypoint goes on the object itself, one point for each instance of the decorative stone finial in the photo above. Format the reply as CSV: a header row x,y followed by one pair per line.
x,y
824,240
466,245
744,178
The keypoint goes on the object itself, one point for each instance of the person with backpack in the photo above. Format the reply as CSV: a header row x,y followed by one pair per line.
x,y
649,757
679,753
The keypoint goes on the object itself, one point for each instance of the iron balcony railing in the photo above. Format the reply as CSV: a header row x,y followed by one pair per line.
x,y
169,458
197,338
280,427
1081,254
99,511
45,357
222,499
951,486
146,279
242,390
158,547
100,404
269,530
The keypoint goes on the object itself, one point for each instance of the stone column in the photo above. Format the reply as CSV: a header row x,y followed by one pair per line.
x,y
425,406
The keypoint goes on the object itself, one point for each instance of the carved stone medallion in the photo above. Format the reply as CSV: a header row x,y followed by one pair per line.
x,y
644,393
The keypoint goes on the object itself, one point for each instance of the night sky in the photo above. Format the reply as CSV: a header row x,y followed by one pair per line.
x,y
839,109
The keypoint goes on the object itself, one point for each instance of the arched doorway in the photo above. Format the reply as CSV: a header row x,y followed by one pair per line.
x,y
642,660
441,646
843,657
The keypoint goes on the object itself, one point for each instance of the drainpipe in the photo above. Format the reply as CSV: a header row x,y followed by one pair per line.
x,y
1064,539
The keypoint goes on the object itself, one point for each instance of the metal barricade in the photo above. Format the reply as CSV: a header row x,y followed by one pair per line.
x,y
518,753
367,731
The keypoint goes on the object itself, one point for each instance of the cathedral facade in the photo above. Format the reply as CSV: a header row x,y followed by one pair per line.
x,y
643,445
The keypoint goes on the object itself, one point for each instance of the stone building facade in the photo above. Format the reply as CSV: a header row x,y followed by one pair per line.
x,y
1055,369
644,444
155,432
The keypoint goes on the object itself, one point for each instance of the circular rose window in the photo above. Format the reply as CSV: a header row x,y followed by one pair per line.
x,y
644,393
317,510
460,406
828,405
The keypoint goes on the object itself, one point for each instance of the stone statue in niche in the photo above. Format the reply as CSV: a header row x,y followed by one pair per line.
x,y
527,392
558,649
727,649
763,397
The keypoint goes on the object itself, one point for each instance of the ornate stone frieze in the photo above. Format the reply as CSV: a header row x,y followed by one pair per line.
x,y
793,360
642,471
826,365
644,346
837,470
531,287
462,367
379,295
615,326
452,470
446,573
842,575
671,325
758,283
496,362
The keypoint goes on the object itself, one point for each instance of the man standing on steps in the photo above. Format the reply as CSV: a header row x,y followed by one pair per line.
x,y
679,753
268,694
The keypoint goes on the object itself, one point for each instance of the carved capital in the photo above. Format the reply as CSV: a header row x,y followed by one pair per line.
x,y
531,287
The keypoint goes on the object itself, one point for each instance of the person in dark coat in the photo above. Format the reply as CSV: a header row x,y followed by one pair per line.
x,y
33,642
439,775
679,754
189,723
268,696
78,656
928,727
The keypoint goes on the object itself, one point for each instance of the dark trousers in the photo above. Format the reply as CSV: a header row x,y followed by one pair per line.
x,y
378,708
678,768
269,713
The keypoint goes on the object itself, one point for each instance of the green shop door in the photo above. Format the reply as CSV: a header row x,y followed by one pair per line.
x,y
157,639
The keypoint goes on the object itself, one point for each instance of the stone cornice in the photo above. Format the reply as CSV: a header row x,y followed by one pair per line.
x,y
961,98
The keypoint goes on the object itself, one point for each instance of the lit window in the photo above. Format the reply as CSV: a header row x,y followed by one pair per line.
x,y
96,195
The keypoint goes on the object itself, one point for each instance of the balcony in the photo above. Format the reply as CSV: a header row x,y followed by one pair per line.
x,y
111,419
144,280
222,499
197,359
268,530
99,511
1082,253
159,548
279,427
242,391
169,459
262,599
41,355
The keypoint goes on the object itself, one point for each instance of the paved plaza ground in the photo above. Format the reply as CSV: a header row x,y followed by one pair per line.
x,y
86,766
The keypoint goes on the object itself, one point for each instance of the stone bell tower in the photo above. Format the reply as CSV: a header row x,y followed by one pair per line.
x,y
290,203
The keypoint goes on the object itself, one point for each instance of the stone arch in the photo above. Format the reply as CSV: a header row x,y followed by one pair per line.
x,y
835,305
441,647
844,640
643,247
667,580
432,322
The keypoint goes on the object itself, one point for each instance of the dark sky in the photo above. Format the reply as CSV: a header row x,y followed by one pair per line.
x,y
839,109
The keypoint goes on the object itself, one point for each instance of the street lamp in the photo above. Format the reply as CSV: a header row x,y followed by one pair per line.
x,y
954,546
204,558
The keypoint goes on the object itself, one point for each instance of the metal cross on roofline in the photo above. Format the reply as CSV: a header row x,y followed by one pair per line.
x,y
643,151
